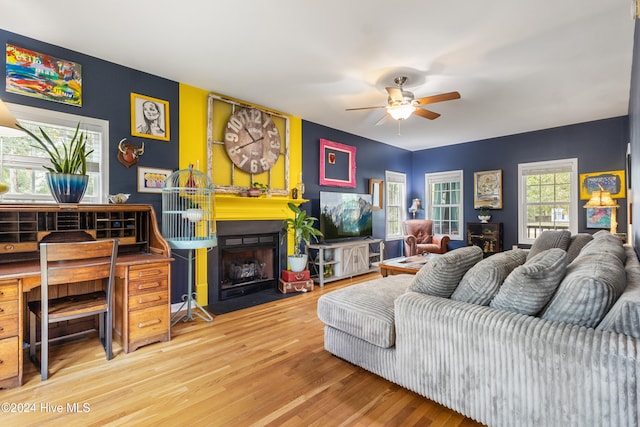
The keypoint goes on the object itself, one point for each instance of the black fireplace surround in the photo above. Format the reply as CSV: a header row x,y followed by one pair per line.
x,y
247,260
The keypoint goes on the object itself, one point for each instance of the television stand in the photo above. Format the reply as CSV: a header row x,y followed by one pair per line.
x,y
339,260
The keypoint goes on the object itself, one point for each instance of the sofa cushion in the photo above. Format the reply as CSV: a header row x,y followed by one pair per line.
x,y
577,242
529,287
481,283
549,239
605,243
365,310
624,316
590,287
440,276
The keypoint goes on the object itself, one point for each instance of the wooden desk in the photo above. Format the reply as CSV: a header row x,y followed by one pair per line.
x,y
142,287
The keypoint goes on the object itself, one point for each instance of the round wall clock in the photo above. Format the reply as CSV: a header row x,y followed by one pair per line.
x,y
252,140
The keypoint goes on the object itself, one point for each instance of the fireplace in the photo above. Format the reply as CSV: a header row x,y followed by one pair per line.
x,y
247,260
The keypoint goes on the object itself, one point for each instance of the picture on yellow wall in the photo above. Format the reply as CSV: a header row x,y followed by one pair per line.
x,y
612,181
149,117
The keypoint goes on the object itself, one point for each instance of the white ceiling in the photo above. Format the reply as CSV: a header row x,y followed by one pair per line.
x,y
519,65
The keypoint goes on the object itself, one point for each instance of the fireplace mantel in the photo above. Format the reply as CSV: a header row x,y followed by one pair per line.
x,y
232,207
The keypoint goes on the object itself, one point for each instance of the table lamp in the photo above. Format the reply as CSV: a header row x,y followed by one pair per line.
x,y
415,205
602,199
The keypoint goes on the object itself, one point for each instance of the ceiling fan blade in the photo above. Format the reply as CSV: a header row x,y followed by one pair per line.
x,y
438,98
365,108
395,93
383,119
426,114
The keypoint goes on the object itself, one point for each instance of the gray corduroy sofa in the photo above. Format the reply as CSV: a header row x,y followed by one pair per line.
x,y
494,365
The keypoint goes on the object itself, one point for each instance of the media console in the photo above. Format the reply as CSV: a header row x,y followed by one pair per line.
x,y
334,261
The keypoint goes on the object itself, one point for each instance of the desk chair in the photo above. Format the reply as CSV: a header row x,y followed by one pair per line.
x,y
64,263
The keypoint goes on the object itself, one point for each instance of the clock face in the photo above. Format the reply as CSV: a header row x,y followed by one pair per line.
x,y
252,140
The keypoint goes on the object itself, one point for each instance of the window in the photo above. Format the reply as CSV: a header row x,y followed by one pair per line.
x,y
395,204
21,165
548,198
444,203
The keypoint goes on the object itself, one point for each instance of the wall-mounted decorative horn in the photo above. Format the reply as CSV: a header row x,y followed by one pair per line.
x,y
128,154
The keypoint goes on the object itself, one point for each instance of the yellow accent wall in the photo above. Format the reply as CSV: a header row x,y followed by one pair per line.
x,y
193,150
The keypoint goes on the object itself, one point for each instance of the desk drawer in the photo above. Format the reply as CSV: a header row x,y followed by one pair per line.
x,y
8,291
154,284
7,248
146,272
149,299
148,322
8,326
9,348
8,308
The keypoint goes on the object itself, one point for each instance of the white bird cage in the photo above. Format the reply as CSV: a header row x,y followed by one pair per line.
x,y
188,223
187,210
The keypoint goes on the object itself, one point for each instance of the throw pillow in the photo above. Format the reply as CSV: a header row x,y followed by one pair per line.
x,y
591,286
549,239
598,245
578,241
481,283
440,276
529,287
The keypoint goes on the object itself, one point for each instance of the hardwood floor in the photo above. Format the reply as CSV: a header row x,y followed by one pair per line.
x,y
262,366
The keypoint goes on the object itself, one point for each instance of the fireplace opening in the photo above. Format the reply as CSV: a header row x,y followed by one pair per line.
x,y
247,264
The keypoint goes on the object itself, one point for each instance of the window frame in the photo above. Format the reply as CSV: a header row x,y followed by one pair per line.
x,y
441,177
392,178
569,163
57,118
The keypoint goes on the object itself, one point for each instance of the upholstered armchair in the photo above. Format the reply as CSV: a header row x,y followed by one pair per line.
x,y
419,238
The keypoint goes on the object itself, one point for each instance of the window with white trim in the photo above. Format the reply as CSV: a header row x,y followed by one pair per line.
x,y
395,204
444,203
21,164
547,198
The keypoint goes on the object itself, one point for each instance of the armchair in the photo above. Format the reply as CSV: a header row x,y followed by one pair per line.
x,y
419,238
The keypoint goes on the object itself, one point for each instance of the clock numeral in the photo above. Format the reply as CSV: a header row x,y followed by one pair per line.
x,y
267,122
275,143
235,124
234,151
273,156
264,163
243,161
254,166
231,137
256,116
272,132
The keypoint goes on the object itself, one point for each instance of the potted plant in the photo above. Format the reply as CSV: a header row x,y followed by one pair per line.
x,y
258,189
67,176
483,214
302,227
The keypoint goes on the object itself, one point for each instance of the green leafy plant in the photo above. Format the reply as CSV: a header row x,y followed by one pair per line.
x,y
264,188
302,227
71,158
484,211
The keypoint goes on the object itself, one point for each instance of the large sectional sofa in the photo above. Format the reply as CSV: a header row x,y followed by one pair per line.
x,y
545,337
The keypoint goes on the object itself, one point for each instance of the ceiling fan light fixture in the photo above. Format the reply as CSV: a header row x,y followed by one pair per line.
x,y
401,112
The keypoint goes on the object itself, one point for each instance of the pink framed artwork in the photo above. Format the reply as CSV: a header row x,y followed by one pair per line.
x,y
337,164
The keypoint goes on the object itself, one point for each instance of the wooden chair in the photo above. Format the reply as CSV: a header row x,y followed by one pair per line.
x,y
65,263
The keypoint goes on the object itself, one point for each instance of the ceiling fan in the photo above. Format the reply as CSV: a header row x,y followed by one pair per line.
x,y
401,103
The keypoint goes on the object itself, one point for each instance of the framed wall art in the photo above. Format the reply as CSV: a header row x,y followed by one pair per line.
x,y
612,181
337,164
149,117
376,190
599,217
487,189
152,180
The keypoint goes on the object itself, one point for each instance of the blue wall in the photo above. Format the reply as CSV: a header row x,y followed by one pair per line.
x,y
599,146
372,159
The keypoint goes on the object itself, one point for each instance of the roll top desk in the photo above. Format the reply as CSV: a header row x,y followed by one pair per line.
x,y
143,283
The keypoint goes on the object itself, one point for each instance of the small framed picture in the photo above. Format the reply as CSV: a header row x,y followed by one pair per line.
x,y
152,180
487,189
149,117
598,217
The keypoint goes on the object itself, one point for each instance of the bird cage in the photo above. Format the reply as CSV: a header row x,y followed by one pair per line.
x,y
187,210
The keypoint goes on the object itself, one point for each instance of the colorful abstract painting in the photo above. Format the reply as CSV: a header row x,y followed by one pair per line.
x,y
42,76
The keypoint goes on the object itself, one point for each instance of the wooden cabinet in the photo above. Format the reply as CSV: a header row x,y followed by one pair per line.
x,y
10,334
142,304
487,236
334,261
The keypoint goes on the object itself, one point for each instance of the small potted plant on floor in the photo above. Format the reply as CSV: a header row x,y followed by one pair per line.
x,y
302,227
67,176
483,214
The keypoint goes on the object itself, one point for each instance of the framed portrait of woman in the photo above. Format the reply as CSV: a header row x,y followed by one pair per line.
x,y
149,117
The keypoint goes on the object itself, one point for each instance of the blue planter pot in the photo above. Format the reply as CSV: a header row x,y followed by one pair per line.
x,y
67,188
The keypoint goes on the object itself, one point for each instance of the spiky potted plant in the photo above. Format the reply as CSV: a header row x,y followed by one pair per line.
x,y
67,176
302,227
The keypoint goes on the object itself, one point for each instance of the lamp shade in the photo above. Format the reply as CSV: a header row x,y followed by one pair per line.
x,y
601,199
8,123
401,112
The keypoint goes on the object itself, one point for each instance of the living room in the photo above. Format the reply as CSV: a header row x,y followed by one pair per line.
x,y
599,145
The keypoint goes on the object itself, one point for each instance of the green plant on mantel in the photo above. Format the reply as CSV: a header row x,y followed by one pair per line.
x,y
71,158
264,188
